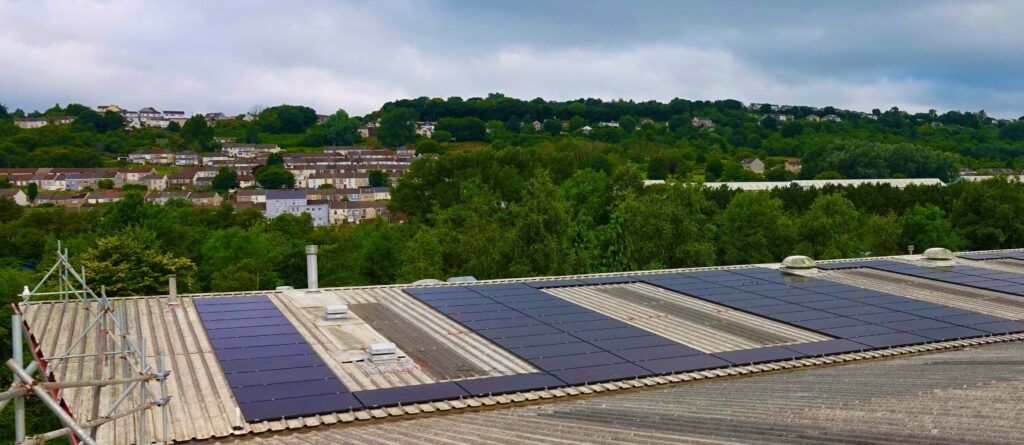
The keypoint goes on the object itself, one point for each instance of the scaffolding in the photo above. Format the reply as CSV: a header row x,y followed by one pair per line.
x,y
118,358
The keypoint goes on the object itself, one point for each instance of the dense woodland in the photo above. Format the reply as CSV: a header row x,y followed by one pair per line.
x,y
493,198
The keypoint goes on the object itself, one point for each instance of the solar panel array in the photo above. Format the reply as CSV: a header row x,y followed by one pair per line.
x,y
272,370
978,277
856,316
993,256
275,374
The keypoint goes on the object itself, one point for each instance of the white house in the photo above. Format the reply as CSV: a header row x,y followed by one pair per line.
x,y
753,164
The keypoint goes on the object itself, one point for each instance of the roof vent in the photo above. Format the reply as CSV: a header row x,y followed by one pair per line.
x,y
383,352
336,312
798,262
465,279
426,281
938,254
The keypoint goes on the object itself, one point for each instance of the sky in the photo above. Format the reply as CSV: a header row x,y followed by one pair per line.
x,y
230,56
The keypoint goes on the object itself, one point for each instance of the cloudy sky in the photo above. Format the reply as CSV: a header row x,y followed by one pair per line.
x,y
229,56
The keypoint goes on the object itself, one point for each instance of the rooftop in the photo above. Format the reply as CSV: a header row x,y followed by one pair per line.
x,y
258,363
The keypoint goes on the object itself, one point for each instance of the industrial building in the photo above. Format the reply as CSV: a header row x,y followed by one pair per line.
x,y
909,349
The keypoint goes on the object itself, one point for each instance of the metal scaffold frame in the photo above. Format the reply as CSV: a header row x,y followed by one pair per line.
x,y
131,394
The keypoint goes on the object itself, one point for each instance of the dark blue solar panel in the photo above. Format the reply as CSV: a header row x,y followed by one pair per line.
x,y
478,316
1003,327
453,310
273,372
535,340
576,361
593,325
684,364
571,318
452,302
758,355
561,310
608,334
270,377
550,302
646,341
501,323
916,325
859,331
598,374
509,383
657,352
554,283
886,317
891,340
950,333
521,331
404,395
972,319
297,407
858,310
827,323
532,352
803,315
204,302
831,304
826,347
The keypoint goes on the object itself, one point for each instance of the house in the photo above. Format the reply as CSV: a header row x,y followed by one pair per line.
x,y
156,156
104,197
215,158
609,124
62,199
17,195
112,108
587,129
161,197
205,199
91,179
425,129
212,118
149,113
131,175
753,164
537,126
246,181
295,203
28,123
50,181
224,139
782,117
254,196
180,180
154,182
365,132
832,118
354,212
321,118
237,150
792,165
186,158
703,123
813,117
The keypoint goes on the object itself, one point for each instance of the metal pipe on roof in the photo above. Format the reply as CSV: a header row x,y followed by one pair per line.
x,y
311,271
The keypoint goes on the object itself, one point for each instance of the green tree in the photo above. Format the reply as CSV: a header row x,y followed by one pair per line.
x,y
105,184
235,259
226,179
539,236
988,213
252,134
286,119
881,235
275,177
397,127
925,226
552,127
173,127
132,262
830,228
340,129
9,210
428,146
196,132
32,191
378,178
754,228
275,159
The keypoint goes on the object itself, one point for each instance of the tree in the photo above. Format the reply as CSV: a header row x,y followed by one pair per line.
x,y
286,119
552,126
132,262
236,260
226,179
830,228
173,127
275,177
754,228
428,146
340,129
925,226
105,184
275,159
539,236
3,112
32,191
397,127
378,178
252,134
9,210
195,131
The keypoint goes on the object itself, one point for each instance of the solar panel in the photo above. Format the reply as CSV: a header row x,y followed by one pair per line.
x,y
886,317
859,331
273,372
758,355
858,310
535,340
477,316
1003,327
891,340
298,407
950,333
509,384
571,318
607,323
554,283
561,310
214,301
576,361
684,364
451,302
598,374
501,323
608,334
803,315
835,303
827,323
521,331
532,352
645,341
404,395
826,347
656,352
916,325
550,302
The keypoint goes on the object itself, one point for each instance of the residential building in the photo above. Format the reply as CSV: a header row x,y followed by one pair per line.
x,y
354,212
253,196
17,195
753,164
832,118
793,165
239,150
187,157
161,197
38,122
224,139
91,179
205,199
813,117
131,175
703,123
104,196
153,156
154,182
295,203
425,129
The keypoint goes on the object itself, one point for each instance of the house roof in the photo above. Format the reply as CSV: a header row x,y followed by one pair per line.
x,y
286,194
902,392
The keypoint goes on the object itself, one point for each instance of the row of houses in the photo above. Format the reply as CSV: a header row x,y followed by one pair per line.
x,y
791,165
75,179
321,211
82,199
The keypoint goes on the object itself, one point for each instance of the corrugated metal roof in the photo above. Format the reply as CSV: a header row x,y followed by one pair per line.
x,y
965,396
